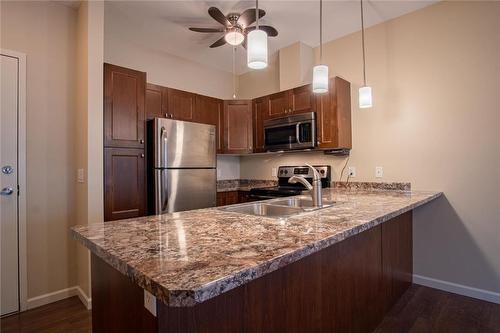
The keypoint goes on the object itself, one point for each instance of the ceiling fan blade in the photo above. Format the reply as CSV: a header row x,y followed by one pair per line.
x,y
248,17
221,41
217,15
207,29
271,32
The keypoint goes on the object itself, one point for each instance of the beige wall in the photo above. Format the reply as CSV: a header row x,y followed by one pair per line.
x,y
255,83
124,47
45,32
435,123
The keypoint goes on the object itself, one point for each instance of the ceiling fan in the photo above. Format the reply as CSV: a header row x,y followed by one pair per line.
x,y
235,26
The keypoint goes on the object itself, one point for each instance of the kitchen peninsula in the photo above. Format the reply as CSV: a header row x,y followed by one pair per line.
x,y
335,269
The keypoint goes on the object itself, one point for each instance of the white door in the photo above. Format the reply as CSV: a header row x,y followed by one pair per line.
x,y
9,227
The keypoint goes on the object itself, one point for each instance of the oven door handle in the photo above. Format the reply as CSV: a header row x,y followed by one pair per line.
x,y
297,132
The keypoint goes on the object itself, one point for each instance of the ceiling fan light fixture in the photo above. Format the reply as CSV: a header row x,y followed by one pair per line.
x,y
234,37
257,49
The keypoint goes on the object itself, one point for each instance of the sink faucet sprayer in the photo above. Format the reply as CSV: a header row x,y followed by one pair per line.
x,y
315,188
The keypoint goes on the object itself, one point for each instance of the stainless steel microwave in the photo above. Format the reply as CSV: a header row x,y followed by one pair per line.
x,y
292,132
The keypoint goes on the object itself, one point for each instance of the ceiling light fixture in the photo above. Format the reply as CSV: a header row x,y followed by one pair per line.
x,y
320,72
365,92
234,36
257,45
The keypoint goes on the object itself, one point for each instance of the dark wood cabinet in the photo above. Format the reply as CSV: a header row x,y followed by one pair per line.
x,y
210,111
259,112
238,127
292,101
333,113
278,105
302,99
156,101
124,183
124,115
233,197
181,104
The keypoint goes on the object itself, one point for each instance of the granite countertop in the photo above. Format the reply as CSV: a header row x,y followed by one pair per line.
x,y
189,257
243,184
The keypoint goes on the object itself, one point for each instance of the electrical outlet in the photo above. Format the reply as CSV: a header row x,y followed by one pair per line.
x,y
274,172
379,172
351,171
150,302
80,175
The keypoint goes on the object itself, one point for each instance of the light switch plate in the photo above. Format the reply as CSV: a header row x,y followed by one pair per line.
x,y
351,172
274,172
379,172
150,302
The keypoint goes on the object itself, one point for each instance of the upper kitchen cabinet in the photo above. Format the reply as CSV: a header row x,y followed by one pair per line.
x,y
277,105
292,101
259,112
302,99
238,127
334,116
156,101
124,91
210,111
181,104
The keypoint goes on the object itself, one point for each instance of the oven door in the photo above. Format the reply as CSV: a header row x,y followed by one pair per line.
x,y
287,136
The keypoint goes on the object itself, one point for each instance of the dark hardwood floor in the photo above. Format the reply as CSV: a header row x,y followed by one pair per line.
x,y
421,309
68,315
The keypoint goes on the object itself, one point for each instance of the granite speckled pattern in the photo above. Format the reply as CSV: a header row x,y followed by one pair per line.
x,y
243,184
373,186
189,257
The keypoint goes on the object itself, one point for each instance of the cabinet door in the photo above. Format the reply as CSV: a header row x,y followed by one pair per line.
x,y
124,183
278,105
333,112
156,101
302,99
181,104
209,111
238,127
259,112
124,91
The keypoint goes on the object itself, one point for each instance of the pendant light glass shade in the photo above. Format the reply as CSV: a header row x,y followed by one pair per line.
x,y
365,97
234,37
320,79
257,49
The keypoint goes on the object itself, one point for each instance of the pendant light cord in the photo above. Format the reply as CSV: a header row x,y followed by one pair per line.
x,y
234,72
257,14
321,31
363,43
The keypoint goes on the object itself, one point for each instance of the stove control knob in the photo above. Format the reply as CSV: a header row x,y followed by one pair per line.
x,y
286,172
322,171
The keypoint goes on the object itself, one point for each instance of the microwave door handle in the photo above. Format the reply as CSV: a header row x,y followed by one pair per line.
x,y
297,132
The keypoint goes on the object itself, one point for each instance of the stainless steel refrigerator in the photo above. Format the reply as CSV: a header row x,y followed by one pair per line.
x,y
183,175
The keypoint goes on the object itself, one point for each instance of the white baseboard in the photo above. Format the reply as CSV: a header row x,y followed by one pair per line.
x,y
86,300
455,288
55,296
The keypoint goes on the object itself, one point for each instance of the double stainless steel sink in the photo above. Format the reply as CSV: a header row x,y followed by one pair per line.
x,y
282,207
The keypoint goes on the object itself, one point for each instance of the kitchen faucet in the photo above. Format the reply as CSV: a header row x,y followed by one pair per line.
x,y
315,188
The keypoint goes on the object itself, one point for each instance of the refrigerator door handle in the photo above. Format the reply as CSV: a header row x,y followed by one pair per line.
x,y
161,191
163,147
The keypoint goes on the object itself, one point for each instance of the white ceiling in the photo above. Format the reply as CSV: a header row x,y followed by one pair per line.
x,y
163,25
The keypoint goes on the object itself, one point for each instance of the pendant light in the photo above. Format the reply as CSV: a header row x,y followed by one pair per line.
x,y
257,45
234,72
365,92
320,72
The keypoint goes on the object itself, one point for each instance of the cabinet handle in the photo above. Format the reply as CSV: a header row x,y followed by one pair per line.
x,y
142,155
141,141
166,115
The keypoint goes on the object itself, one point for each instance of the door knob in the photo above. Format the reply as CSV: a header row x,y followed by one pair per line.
x,y
7,169
7,191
